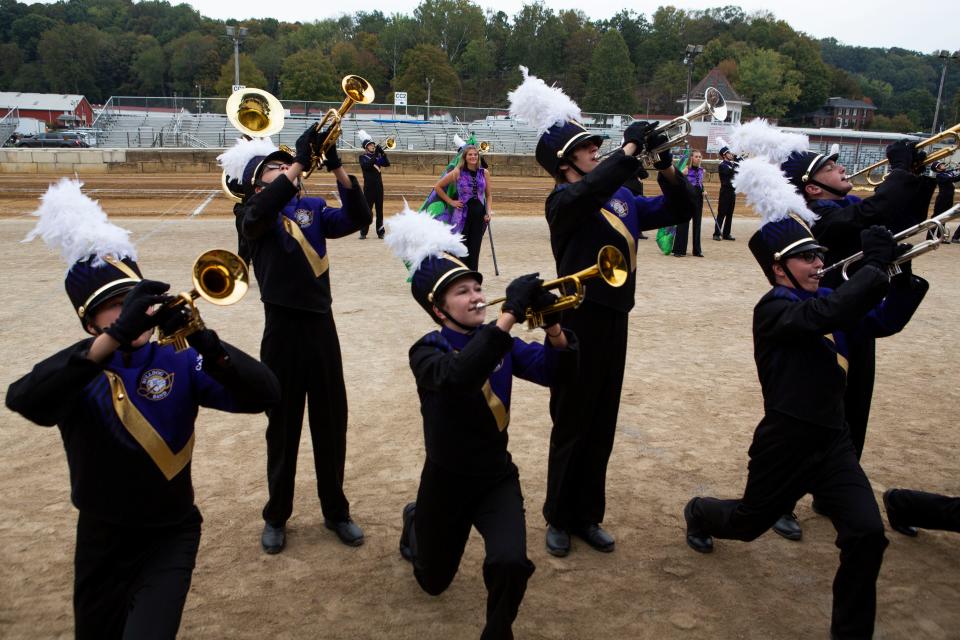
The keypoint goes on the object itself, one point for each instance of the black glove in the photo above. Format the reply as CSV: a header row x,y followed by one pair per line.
x,y
879,247
172,319
666,158
379,150
906,268
134,319
521,293
207,343
637,133
306,144
543,300
918,159
642,174
332,158
901,154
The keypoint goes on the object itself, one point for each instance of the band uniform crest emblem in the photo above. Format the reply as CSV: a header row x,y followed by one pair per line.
x,y
303,217
619,207
155,384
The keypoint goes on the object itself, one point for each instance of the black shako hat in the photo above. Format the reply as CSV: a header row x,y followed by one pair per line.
x,y
89,286
434,276
801,166
775,241
559,140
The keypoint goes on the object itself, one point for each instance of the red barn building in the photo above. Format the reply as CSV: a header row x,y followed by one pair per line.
x,y
57,110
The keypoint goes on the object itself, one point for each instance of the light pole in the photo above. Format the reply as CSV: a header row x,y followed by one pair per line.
x,y
199,98
429,82
946,56
692,51
237,34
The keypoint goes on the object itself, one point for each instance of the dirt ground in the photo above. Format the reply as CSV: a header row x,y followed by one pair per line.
x,y
690,403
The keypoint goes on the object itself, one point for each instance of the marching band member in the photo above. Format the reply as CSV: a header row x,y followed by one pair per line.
x,y
802,444
901,201
288,235
126,409
464,376
727,201
590,208
372,160
472,205
694,174
909,510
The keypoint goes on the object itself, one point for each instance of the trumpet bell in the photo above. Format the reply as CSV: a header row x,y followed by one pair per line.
x,y
358,89
612,266
484,146
715,104
231,188
390,142
255,113
220,277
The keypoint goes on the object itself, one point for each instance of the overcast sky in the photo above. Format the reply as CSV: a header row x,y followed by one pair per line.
x,y
877,23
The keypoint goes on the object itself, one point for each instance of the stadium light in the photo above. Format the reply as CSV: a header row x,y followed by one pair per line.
x,y
692,51
237,34
946,56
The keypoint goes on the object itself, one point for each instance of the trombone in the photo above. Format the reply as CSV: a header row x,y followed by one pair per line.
x,y
610,266
220,277
935,230
357,90
935,156
679,128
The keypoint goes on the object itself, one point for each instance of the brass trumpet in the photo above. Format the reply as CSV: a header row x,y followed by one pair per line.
x,y
934,227
611,266
935,156
679,128
357,90
484,147
390,143
219,277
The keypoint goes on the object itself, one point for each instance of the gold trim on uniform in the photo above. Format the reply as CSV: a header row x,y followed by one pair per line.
x,y
169,463
621,228
500,413
842,361
318,264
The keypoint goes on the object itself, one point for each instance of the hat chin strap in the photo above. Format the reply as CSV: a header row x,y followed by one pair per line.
x,y
449,317
835,192
790,276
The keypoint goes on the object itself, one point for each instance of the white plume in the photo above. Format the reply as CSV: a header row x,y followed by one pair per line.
x,y
234,160
458,141
415,236
758,138
539,105
364,137
769,192
834,148
721,143
76,226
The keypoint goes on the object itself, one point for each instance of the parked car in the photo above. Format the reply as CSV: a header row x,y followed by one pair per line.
x,y
61,139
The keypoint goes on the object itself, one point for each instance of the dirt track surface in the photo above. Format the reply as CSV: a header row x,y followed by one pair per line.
x,y
690,403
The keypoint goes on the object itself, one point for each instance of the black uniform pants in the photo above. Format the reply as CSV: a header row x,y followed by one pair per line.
x,y
726,203
373,192
448,504
473,229
584,413
926,510
683,229
789,458
859,392
243,245
132,581
303,351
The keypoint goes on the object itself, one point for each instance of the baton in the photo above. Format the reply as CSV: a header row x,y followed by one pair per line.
x,y
716,225
493,249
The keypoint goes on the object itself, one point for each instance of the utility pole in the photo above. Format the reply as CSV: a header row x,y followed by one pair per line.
x,y
429,82
946,56
237,34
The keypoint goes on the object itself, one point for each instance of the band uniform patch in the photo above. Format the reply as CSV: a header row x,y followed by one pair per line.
x,y
619,207
155,384
304,217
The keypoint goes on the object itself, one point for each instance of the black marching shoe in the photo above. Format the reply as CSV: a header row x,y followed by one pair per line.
x,y
788,527
696,539
273,539
407,519
729,238
596,537
558,541
717,237
347,530
363,236
642,237
895,523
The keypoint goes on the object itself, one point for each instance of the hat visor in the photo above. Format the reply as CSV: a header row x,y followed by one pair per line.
x,y
110,291
581,138
280,154
822,160
447,280
806,245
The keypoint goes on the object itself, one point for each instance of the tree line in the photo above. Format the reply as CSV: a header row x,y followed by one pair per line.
x,y
464,56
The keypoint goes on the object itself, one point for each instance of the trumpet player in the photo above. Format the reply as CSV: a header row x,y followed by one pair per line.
x,y
372,161
126,409
899,202
464,373
288,235
590,208
727,201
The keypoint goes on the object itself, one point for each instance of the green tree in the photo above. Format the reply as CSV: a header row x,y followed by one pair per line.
x,y
194,58
814,78
69,56
668,85
250,76
26,31
11,58
612,82
399,35
476,67
768,83
900,123
269,59
150,66
451,24
426,65
309,75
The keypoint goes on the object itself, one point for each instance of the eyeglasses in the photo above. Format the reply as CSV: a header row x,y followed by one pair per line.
x,y
809,256
273,167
